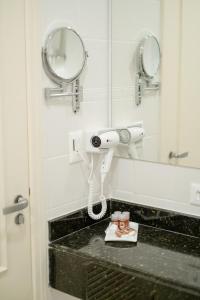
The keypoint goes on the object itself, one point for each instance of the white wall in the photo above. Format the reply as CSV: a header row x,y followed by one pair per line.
x,y
155,185
66,185
131,21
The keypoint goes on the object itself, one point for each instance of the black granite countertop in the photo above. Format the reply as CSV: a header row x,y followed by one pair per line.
x,y
160,255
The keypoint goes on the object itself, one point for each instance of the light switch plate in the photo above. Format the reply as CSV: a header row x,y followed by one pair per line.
x,y
195,194
75,140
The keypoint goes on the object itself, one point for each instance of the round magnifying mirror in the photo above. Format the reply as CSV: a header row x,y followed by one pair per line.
x,y
64,55
150,56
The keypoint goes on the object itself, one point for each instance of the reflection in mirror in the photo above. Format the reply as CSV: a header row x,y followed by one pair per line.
x,y
150,56
64,58
65,53
148,61
168,114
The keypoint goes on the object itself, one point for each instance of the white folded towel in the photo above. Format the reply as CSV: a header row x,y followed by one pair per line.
x,y
129,237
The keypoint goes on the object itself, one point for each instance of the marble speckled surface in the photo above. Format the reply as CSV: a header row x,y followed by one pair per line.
x,y
164,264
158,218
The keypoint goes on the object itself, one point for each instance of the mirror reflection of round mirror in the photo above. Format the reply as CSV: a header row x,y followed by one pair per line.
x,y
150,56
64,55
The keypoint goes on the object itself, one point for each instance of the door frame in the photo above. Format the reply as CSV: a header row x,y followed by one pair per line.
x,y
3,244
39,241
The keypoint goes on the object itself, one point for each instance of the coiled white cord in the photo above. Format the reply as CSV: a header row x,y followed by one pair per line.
x,y
91,177
91,195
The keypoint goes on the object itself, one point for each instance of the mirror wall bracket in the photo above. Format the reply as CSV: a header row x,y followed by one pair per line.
x,y
148,63
142,85
76,94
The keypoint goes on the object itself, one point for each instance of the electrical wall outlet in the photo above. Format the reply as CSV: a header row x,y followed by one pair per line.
x,y
75,143
195,194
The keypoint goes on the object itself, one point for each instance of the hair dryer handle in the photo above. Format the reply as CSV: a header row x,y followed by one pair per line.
x,y
107,160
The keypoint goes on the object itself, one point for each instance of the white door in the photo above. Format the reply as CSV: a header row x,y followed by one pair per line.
x,y
180,103
189,125
15,246
170,74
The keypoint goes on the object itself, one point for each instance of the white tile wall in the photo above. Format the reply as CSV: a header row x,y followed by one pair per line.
x,y
131,20
154,184
66,185
131,17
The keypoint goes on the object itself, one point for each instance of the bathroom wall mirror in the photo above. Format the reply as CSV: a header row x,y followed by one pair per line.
x,y
148,61
155,82
64,58
149,56
64,55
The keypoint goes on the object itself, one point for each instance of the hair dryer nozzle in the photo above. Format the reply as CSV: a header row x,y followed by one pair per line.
x,y
105,140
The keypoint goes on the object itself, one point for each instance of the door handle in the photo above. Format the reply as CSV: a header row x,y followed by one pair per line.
x,y
19,203
178,155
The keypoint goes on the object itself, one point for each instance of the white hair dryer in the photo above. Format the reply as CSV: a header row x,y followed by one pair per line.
x,y
102,143
130,136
